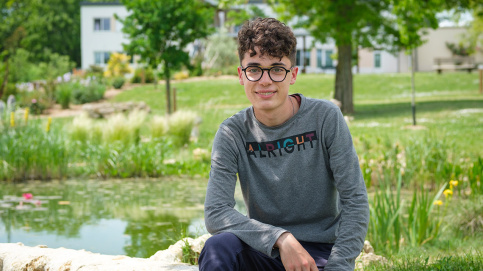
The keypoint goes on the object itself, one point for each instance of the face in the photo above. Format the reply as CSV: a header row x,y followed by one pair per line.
x,y
266,95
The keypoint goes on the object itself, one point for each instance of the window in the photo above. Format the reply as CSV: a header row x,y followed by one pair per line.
x,y
377,59
319,58
297,61
102,24
307,58
101,57
328,58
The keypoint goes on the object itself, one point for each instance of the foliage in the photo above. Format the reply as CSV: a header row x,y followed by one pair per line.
x,y
181,75
188,255
180,125
460,49
139,73
118,65
118,82
63,94
393,25
421,225
85,94
385,220
468,218
240,15
10,89
82,129
36,100
220,54
158,126
95,72
22,69
30,152
124,129
159,32
469,261
38,20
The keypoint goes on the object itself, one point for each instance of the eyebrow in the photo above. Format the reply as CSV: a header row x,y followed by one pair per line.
x,y
273,64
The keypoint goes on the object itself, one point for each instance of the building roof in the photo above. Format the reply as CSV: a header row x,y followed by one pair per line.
x,y
112,3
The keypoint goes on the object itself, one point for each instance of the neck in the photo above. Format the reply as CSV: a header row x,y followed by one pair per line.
x,y
277,116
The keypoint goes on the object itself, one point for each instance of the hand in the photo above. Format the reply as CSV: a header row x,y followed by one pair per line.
x,y
294,256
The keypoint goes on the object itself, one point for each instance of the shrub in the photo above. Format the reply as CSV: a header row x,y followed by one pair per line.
x,y
81,128
158,126
96,71
36,100
221,54
118,82
180,125
90,93
118,65
181,75
138,75
11,89
63,94
125,130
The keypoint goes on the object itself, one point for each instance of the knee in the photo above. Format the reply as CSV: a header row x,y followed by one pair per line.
x,y
223,241
219,252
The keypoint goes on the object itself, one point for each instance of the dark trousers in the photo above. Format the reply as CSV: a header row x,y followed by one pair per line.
x,y
225,252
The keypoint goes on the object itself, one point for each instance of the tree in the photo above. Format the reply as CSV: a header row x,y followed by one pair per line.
x,y
11,35
53,25
47,24
387,24
159,31
348,23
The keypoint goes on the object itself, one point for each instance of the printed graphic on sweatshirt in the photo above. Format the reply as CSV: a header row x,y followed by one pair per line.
x,y
282,146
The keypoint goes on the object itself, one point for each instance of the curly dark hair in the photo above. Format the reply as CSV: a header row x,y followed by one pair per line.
x,y
271,36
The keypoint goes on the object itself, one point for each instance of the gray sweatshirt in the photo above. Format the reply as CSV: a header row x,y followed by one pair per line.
x,y
302,177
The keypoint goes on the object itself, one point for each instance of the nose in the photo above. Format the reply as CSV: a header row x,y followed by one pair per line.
x,y
265,80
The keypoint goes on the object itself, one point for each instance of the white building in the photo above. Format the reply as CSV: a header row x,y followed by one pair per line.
x,y
375,61
101,33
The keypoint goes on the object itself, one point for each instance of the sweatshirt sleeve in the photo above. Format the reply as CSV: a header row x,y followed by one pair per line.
x,y
354,216
220,215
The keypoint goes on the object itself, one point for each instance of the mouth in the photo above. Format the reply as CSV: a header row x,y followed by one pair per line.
x,y
265,93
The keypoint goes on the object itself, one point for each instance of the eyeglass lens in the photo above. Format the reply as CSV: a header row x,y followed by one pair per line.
x,y
277,74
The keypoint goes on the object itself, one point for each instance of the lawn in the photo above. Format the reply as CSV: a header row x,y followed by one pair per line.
x,y
448,106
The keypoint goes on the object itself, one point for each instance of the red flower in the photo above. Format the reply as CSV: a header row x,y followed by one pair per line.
x,y
27,195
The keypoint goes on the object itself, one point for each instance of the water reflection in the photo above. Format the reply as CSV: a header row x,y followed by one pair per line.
x,y
130,217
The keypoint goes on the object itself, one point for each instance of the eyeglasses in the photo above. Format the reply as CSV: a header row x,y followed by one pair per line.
x,y
255,73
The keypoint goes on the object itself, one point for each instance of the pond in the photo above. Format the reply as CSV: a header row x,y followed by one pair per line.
x,y
114,217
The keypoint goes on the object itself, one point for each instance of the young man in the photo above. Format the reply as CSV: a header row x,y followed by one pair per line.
x,y
306,200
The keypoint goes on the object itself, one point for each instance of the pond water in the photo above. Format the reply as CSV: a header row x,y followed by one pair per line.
x,y
114,217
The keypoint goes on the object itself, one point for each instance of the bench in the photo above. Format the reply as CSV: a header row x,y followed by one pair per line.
x,y
454,63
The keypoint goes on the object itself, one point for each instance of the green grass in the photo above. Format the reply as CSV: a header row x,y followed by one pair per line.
x,y
445,263
382,104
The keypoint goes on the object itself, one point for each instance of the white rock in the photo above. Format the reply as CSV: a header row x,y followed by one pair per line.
x,y
15,257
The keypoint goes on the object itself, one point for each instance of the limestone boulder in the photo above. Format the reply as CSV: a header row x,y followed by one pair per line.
x,y
103,110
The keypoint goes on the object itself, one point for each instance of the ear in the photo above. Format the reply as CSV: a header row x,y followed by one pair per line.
x,y
240,76
294,72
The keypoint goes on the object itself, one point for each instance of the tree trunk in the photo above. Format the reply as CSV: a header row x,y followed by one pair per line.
x,y
343,78
168,90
